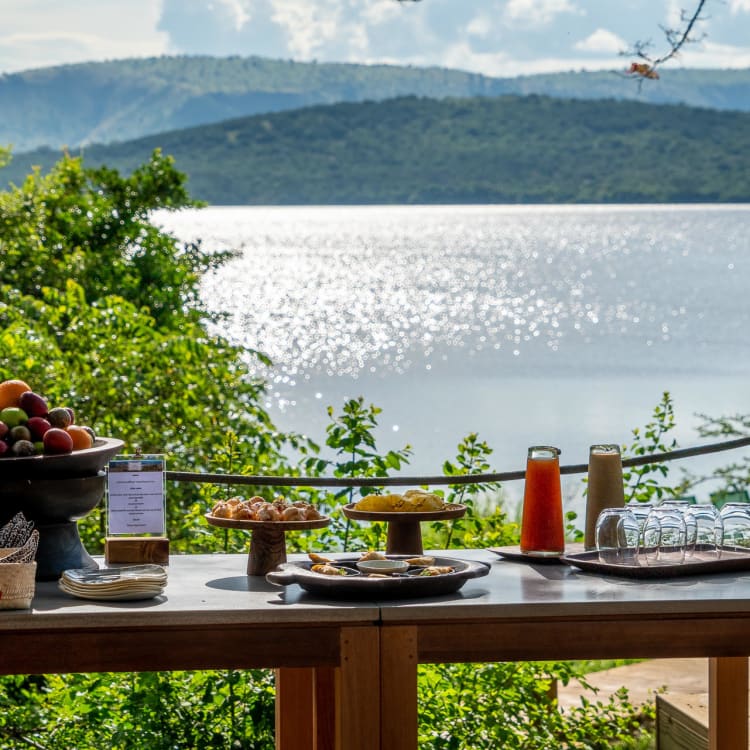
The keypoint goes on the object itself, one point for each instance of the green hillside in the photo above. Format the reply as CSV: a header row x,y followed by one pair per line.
x,y
479,150
124,99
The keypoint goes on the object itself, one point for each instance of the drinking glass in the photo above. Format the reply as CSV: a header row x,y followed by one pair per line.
x,y
542,530
709,529
690,526
664,536
736,520
605,487
640,511
617,536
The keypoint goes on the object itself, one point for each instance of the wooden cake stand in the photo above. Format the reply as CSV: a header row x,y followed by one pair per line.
x,y
404,530
267,539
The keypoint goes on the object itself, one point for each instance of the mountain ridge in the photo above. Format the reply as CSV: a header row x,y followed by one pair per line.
x,y
507,149
118,100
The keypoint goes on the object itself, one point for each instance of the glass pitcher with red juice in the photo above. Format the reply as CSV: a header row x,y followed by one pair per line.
x,y
542,530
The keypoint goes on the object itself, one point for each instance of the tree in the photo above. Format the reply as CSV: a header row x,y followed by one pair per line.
x,y
100,310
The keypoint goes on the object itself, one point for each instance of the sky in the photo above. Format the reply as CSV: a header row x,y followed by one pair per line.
x,y
494,37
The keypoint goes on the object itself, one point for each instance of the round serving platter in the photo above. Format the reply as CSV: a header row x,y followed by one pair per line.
x,y
355,585
267,539
404,532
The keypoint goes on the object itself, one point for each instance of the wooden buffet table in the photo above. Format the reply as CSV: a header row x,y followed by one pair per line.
x,y
524,612
335,659
213,616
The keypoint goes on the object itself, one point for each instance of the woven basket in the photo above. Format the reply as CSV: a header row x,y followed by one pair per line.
x,y
17,585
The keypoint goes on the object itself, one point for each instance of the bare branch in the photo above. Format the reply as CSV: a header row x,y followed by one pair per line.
x,y
676,39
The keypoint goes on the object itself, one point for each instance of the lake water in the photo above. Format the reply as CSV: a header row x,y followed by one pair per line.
x,y
530,325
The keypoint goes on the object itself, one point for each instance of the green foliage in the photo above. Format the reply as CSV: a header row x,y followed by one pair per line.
x,y
99,310
508,705
481,150
476,528
735,477
159,711
644,483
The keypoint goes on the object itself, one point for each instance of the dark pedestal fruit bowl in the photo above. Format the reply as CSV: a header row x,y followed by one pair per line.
x,y
55,492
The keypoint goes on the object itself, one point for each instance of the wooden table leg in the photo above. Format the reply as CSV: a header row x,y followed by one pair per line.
x,y
324,717
295,701
727,703
358,689
398,670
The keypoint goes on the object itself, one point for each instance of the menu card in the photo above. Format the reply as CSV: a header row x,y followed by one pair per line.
x,y
136,495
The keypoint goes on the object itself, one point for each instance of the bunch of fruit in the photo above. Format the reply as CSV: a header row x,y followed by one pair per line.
x,y
29,427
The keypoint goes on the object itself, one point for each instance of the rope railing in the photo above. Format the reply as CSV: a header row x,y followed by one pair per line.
x,y
441,479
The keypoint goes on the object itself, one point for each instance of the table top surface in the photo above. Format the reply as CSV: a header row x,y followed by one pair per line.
x,y
210,589
201,590
527,589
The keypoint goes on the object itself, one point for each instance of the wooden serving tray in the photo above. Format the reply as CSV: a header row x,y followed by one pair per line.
x,y
267,539
404,532
701,563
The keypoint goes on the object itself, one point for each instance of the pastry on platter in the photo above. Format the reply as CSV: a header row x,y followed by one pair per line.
x,y
412,501
258,509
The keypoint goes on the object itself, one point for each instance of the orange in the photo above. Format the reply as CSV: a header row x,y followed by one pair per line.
x,y
81,437
10,392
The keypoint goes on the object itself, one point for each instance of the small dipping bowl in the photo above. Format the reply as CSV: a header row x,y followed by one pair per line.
x,y
383,566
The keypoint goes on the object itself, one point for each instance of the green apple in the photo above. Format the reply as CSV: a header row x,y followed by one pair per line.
x,y
13,416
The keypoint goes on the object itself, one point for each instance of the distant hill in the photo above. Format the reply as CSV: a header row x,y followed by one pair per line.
x,y
125,99
479,150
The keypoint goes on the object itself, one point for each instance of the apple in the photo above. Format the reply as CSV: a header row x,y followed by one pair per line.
x,y
4,430
13,416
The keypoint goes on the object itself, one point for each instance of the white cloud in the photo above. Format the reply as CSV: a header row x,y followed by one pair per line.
x,y
708,54
538,12
462,57
739,6
381,11
36,34
308,26
675,12
237,10
479,26
602,40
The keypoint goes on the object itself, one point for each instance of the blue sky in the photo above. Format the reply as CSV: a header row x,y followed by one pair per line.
x,y
495,37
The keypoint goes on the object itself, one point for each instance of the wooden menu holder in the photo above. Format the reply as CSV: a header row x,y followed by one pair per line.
x,y
136,549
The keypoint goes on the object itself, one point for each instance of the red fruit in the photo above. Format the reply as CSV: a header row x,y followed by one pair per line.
x,y
37,427
33,404
59,417
4,448
57,440
4,430
72,414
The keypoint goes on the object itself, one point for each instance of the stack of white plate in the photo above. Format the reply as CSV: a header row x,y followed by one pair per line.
x,y
125,583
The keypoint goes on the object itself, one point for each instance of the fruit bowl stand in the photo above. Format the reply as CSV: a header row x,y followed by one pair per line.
x,y
55,492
